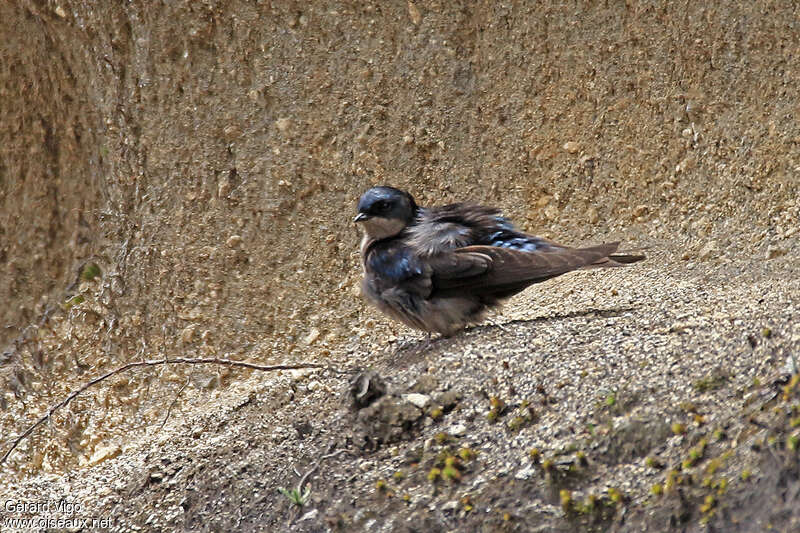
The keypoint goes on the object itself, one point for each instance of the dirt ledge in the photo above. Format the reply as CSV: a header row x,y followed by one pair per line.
x,y
205,157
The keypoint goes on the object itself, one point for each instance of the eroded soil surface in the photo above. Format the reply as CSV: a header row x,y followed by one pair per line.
x,y
179,180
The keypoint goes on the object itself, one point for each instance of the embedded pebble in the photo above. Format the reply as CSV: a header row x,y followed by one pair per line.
x,y
419,400
708,251
310,515
457,430
774,251
312,336
571,147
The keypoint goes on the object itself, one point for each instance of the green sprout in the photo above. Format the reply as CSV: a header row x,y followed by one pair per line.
x,y
90,271
678,428
75,300
611,399
566,500
295,496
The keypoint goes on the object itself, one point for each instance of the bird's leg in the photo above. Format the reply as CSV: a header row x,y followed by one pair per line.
x,y
416,345
427,342
406,344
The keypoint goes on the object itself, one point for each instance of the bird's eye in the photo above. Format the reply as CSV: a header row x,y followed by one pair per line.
x,y
381,205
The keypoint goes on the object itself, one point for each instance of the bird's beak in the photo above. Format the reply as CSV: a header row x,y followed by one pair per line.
x,y
361,217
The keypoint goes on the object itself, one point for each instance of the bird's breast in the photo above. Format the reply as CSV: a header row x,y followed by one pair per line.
x,y
392,264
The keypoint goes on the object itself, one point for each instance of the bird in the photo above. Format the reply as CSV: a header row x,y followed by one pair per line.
x,y
441,269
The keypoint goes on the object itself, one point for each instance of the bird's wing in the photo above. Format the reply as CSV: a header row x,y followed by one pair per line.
x,y
453,226
439,229
500,272
454,267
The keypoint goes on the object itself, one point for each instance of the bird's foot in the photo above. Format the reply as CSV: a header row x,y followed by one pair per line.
x,y
417,345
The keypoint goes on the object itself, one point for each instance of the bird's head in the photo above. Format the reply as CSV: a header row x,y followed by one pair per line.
x,y
384,212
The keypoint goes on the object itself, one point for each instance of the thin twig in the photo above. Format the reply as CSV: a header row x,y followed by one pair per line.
x,y
304,479
156,362
172,404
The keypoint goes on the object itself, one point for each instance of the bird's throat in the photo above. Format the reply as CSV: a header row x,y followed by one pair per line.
x,y
379,228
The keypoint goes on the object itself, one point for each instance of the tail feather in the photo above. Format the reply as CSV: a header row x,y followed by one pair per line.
x,y
626,258
617,259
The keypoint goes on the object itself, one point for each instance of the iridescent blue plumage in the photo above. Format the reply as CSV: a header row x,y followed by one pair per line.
x,y
395,264
508,238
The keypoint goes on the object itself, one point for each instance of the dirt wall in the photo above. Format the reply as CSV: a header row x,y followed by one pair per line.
x,y
211,152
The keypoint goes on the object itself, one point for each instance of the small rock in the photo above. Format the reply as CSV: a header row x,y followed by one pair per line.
x,y
571,147
458,430
792,365
774,251
449,399
592,215
450,506
187,335
312,514
420,400
206,382
231,132
414,14
525,473
233,241
425,384
303,429
283,124
223,188
386,420
365,388
708,251
279,435
363,134
312,336
102,454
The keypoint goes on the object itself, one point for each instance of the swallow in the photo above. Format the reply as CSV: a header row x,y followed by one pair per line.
x,y
440,269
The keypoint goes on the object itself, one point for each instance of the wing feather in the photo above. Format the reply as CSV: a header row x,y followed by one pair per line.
x,y
452,226
509,271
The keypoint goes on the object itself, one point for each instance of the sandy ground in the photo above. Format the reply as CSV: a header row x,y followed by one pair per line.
x,y
616,378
